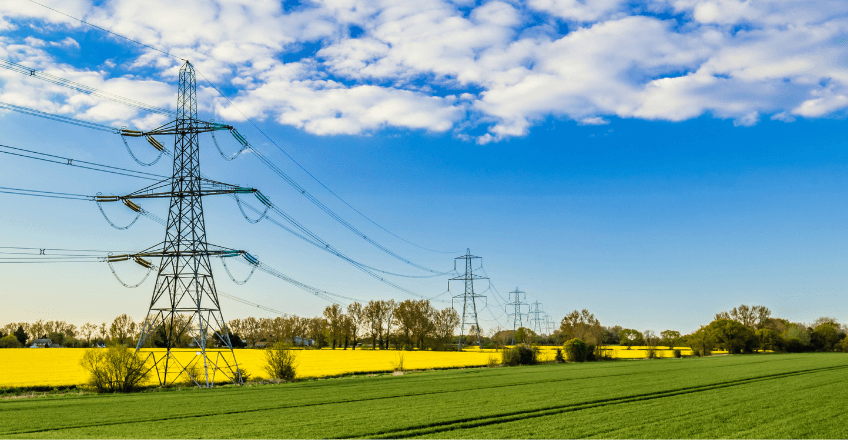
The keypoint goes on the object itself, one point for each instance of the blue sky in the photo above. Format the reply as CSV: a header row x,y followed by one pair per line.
x,y
654,162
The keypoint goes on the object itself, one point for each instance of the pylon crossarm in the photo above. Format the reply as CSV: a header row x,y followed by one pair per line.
x,y
171,128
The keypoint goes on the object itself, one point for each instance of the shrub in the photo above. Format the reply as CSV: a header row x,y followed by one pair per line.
x,y
677,353
280,362
590,352
520,354
115,369
651,353
845,345
576,350
559,358
10,341
194,375
398,366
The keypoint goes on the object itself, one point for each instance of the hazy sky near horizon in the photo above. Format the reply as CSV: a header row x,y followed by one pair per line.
x,y
655,162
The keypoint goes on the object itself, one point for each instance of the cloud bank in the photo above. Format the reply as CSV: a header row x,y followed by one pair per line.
x,y
487,71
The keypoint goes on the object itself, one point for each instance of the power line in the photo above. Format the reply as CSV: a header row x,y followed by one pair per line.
x,y
82,88
67,161
257,128
106,30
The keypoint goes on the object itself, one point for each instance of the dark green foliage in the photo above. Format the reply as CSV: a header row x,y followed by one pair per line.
x,y
845,345
520,354
575,350
733,336
677,353
825,336
21,335
559,357
590,352
10,341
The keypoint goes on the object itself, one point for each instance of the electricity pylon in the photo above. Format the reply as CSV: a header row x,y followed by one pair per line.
x,y
185,302
468,314
535,317
517,321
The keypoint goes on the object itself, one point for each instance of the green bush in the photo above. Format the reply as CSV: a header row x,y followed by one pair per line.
x,y
677,353
590,352
280,362
575,350
651,353
520,354
115,369
845,345
10,341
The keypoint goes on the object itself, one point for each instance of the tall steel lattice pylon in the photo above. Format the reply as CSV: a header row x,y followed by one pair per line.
x,y
536,320
185,309
469,298
517,321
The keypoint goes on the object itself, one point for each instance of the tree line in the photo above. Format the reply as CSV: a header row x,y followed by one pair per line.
x,y
417,324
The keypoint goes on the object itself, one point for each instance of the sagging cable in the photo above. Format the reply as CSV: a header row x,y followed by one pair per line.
x,y
156,144
101,198
142,262
244,214
240,138
250,259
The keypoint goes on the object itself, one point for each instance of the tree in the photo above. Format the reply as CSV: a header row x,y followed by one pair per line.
x,y
769,339
252,330
356,314
445,322
404,316
753,317
335,319
582,325
117,369
796,337
374,314
388,317
733,336
630,337
87,331
123,329
21,335
10,341
280,362
701,342
670,337
825,336
651,338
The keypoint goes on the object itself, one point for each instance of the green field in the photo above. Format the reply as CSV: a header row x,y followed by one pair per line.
x,y
756,396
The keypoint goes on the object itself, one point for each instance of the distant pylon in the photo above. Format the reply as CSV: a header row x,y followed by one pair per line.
x,y
469,298
535,317
185,302
549,325
517,321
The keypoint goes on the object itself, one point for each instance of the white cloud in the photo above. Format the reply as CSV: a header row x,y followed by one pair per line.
x,y
432,65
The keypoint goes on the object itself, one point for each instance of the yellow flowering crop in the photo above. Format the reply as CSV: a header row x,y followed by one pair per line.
x,y
21,367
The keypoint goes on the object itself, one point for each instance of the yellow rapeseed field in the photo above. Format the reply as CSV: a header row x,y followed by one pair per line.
x,y
61,366
20,367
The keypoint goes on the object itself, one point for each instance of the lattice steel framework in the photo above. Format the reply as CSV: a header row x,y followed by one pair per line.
x,y
536,317
185,302
517,320
469,298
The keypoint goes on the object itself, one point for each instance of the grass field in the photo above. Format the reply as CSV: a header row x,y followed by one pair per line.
x,y
755,396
